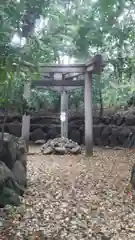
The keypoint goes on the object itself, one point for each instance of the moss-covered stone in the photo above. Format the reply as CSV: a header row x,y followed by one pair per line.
x,y
9,197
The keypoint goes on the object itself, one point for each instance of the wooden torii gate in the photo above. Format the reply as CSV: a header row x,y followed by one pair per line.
x,y
62,78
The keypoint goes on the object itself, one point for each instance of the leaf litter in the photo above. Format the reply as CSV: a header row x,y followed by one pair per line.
x,y
74,198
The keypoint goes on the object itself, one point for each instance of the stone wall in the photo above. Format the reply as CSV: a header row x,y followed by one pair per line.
x,y
116,130
12,170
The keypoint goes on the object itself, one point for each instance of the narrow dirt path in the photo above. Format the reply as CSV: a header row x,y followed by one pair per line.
x,y
69,197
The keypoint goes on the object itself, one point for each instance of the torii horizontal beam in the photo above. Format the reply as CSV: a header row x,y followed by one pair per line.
x,y
60,68
95,65
59,88
57,83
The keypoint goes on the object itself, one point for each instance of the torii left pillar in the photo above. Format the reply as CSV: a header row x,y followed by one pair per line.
x,y
26,118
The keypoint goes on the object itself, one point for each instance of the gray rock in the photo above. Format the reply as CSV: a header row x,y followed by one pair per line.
x,y
75,150
12,169
9,197
52,133
9,151
5,173
130,120
22,146
48,150
15,129
37,134
70,145
19,172
40,142
75,135
23,160
105,135
114,137
22,152
7,179
60,150
124,132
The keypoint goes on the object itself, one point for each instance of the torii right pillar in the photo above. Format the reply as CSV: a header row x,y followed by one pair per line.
x,y
97,68
88,114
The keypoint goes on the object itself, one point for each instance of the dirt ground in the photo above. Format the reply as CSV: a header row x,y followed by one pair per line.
x,y
75,198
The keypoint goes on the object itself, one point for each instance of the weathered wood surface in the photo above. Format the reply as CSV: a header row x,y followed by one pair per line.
x,y
93,65
88,114
57,83
62,68
64,109
26,118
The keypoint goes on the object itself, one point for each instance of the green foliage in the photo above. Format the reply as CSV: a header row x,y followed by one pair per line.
x,y
75,28
44,99
76,97
16,65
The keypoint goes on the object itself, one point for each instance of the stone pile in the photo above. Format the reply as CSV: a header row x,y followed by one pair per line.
x,y
13,181
60,146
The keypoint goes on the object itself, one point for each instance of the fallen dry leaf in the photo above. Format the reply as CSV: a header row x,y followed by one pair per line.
x,y
74,198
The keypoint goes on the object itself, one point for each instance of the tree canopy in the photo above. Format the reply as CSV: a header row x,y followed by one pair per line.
x,y
49,31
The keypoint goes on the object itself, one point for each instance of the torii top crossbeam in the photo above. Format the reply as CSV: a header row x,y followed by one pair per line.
x,y
94,65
